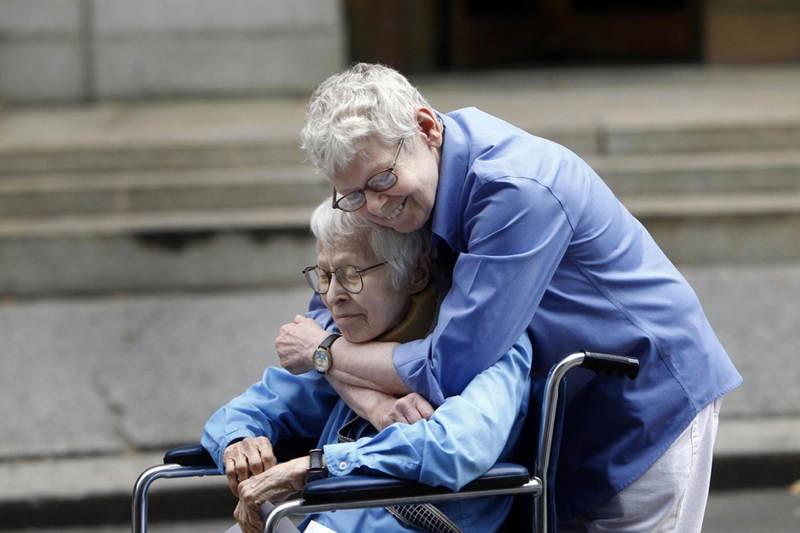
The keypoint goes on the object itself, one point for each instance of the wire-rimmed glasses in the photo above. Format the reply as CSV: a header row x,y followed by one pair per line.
x,y
348,277
379,182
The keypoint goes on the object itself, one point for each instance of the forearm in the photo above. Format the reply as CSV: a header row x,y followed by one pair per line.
x,y
367,365
369,404
465,436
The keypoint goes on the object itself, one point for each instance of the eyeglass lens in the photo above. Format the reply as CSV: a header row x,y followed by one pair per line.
x,y
347,276
377,183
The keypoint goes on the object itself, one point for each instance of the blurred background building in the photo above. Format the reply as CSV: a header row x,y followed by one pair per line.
x,y
154,206
89,50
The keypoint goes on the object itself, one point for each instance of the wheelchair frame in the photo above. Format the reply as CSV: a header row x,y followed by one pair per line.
x,y
195,462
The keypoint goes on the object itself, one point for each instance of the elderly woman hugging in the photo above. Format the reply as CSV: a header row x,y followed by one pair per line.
x,y
376,284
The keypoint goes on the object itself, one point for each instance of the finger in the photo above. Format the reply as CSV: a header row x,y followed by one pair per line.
x,y
424,408
254,464
230,473
233,485
298,318
241,468
267,455
399,413
410,412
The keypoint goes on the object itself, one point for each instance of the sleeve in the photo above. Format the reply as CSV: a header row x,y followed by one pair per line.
x,y
317,311
281,405
517,233
463,438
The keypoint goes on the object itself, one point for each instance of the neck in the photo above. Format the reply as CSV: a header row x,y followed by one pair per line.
x,y
419,319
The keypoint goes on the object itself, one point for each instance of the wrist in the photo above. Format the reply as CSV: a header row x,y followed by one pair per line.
x,y
322,358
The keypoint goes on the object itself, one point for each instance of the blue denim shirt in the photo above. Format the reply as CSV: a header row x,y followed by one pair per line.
x,y
537,242
466,435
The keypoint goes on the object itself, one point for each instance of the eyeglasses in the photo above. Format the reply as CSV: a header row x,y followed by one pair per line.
x,y
378,182
348,277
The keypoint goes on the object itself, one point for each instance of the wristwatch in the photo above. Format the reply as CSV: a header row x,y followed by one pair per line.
x,y
323,358
316,469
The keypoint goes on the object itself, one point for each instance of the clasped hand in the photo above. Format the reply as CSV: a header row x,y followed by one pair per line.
x,y
255,478
296,342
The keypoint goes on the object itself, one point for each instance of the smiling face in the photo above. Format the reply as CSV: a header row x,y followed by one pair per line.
x,y
406,206
377,308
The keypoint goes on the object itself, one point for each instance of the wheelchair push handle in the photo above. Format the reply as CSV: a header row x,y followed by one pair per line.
x,y
605,363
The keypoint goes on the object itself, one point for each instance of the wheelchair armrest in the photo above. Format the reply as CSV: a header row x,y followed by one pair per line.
x,y
196,455
353,487
189,455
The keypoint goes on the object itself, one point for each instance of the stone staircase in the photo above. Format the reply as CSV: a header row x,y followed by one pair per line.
x,y
216,195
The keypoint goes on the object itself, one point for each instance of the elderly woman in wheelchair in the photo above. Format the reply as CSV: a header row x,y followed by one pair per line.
x,y
377,285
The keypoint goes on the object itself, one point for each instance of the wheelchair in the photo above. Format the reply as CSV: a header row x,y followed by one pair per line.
x,y
532,509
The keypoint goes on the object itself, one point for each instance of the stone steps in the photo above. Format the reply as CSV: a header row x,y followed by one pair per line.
x,y
226,248
199,195
161,191
281,186
214,137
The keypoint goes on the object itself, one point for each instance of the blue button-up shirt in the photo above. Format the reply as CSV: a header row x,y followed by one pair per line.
x,y
538,243
465,436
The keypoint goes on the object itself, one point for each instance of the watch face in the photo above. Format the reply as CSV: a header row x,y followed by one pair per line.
x,y
321,360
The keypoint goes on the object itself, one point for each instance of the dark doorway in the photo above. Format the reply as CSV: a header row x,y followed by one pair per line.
x,y
419,35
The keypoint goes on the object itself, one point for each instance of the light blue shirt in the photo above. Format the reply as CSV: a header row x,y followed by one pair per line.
x,y
466,435
537,242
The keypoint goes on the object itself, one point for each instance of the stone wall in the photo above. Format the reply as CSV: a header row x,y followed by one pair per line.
x,y
73,50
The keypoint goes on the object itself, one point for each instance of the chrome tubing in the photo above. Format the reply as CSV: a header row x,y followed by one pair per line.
x,y
299,507
546,427
139,503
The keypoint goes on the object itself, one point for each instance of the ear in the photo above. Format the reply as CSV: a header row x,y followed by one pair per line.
x,y
421,275
430,127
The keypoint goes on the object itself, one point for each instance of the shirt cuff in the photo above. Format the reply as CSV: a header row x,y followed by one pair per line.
x,y
414,366
341,458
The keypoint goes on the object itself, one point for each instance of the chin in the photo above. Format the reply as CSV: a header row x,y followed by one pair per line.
x,y
408,225
356,335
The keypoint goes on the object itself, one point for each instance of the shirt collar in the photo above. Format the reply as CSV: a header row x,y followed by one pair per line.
x,y
447,210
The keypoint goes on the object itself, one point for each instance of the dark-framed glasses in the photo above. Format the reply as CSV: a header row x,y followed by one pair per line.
x,y
347,276
378,182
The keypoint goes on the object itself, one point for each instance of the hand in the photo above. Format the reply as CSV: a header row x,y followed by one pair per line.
x,y
248,518
408,409
247,458
276,484
296,342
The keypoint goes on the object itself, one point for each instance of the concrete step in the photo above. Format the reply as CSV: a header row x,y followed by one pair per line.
x,y
149,156
158,191
257,246
713,135
96,490
195,135
701,173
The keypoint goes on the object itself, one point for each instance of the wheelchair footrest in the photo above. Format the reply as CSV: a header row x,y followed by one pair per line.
x,y
354,487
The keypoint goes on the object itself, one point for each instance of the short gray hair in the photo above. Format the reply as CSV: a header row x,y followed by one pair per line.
x,y
365,102
401,250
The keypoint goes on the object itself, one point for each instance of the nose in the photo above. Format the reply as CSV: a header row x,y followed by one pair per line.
x,y
375,202
335,291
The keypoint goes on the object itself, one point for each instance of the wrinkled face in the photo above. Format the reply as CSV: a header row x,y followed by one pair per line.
x,y
377,308
408,204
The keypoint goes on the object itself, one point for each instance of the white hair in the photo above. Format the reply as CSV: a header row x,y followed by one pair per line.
x,y
365,102
401,251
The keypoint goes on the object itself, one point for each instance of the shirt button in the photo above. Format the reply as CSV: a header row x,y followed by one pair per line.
x,y
343,465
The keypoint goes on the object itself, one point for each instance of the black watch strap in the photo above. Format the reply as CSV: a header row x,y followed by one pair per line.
x,y
316,469
328,342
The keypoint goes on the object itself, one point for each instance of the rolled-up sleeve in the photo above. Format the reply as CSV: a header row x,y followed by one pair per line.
x,y
281,405
464,437
517,233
